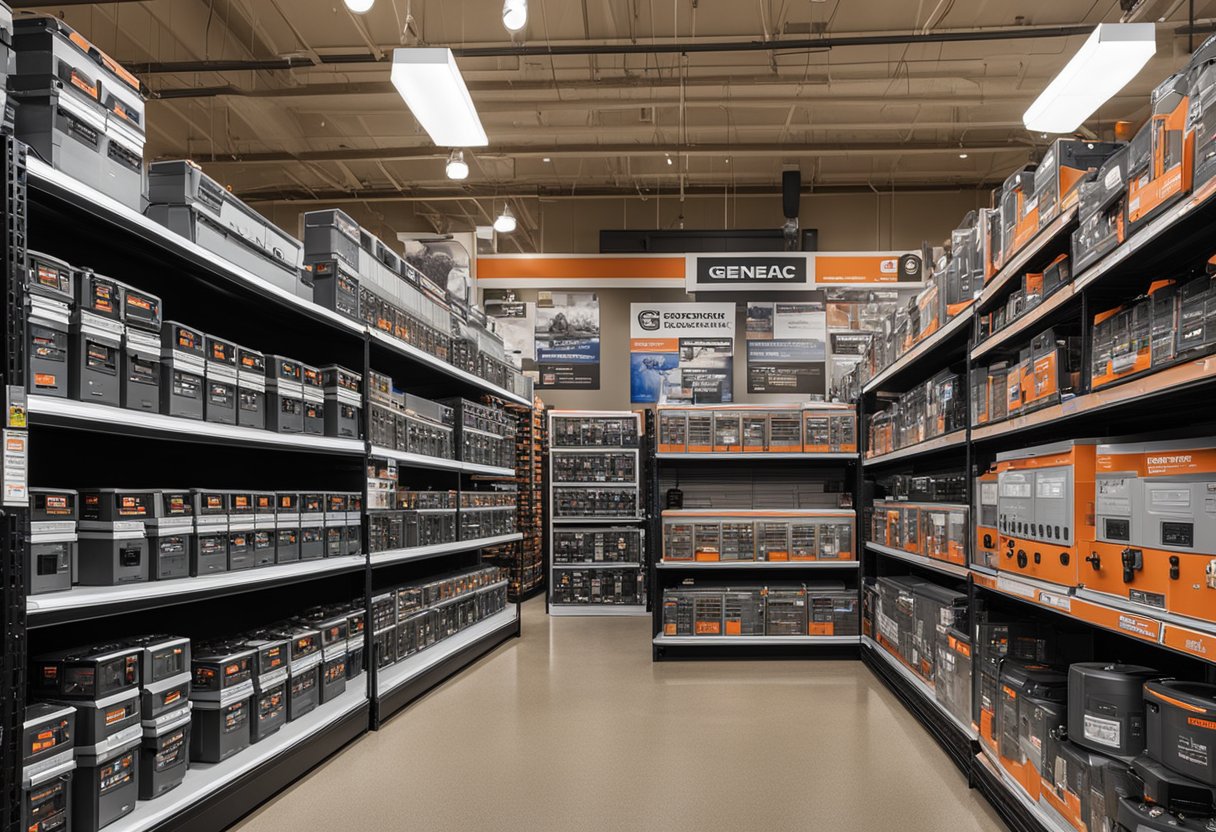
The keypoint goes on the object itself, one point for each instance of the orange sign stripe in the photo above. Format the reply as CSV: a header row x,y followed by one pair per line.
x,y
585,268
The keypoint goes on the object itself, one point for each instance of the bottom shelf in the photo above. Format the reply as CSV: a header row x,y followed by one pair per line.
x,y
958,743
753,641
597,609
1011,801
213,796
400,684
918,684
699,648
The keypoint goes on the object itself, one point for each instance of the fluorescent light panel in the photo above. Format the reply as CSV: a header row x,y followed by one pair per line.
x,y
434,90
1105,63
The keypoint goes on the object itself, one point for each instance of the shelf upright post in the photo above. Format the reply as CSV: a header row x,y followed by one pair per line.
x,y
369,642
14,515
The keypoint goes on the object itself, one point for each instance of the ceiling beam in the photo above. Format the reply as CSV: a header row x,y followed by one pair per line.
x,y
658,48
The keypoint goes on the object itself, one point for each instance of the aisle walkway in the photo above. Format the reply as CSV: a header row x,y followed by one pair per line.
x,y
573,728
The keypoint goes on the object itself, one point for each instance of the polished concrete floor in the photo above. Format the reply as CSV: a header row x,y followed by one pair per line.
x,y
573,728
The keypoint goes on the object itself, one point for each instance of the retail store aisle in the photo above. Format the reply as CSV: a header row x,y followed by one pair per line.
x,y
573,728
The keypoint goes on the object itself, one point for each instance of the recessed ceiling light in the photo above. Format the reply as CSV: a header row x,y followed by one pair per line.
x,y
546,159
962,155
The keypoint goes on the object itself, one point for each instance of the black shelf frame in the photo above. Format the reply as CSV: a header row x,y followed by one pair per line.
x,y
1177,243
113,233
669,574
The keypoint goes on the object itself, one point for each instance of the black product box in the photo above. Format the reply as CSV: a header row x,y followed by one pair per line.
x,y
268,708
1164,338
170,531
183,357
287,527
343,401
96,340
250,388
113,542
952,673
141,368
304,646
164,756
1174,792
355,643
165,672
336,289
220,405
264,529
785,612
313,388
47,762
284,395
1196,330
240,530
50,296
105,786
312,526
52,541
1181,720
220,728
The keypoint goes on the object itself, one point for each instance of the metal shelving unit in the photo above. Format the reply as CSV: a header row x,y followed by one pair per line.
x,y
557,573
244,307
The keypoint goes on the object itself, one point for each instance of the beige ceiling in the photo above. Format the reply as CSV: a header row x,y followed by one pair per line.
x,y
891,115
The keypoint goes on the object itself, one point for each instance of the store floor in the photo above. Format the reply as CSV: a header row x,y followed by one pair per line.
x,y
573,728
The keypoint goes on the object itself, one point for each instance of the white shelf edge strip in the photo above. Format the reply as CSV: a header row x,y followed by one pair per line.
x,y
920,560
758,564
438,462
84,597
918,683
396,675
717,641
758,455
918,350
439,364
597,609
90,412
205,779
417,552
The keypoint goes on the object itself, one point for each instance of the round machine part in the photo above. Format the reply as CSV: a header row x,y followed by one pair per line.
x,y
1106,707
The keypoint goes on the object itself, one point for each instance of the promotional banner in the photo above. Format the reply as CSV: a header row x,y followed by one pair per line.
x,y
567,337
787,346
681,353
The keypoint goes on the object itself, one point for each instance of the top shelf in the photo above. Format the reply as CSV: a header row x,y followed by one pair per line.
x,y
45,179
1038,245
939,345
178,250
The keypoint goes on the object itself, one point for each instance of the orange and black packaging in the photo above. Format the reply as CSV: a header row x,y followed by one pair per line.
x,y
1155,541
49,296
1057,273
1202,117
1162,154
979,395
1045,510
1122,340
1163,346
1102,206
985,552
1058,176
1019,212
993,237
1053,371
1021,682
1196,318
1180,721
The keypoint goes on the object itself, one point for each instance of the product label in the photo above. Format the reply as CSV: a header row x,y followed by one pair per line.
x,y
1192,750
1102,731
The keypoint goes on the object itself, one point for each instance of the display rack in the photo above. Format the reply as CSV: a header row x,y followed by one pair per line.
x,y
524,559
208,291
708,474
1177,242
601,437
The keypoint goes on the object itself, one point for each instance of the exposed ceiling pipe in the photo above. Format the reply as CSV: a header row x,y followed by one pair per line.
x,y
631,149
585,49
559,193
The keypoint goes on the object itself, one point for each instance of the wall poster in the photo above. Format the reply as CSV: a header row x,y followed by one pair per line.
x,y
567,338
787,346
681,353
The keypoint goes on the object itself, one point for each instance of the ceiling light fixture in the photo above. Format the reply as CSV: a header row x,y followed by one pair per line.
x,y
668,155
457,167
1105,63
505,224
515,14
546,159
962,155
360,6
434,90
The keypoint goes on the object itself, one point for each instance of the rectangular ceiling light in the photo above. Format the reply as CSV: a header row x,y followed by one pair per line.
x,y
1108,60
433,88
